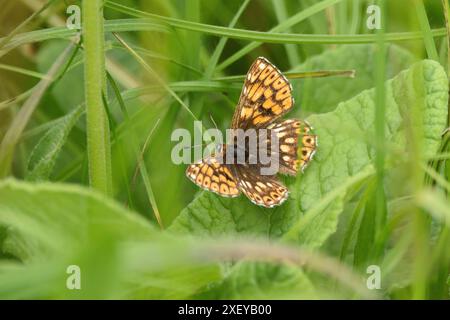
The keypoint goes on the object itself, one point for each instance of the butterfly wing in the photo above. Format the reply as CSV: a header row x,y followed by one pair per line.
x,y
296,144
308,145
263,190
266,96
214,176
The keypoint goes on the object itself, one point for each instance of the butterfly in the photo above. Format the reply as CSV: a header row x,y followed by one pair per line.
x,y
266,96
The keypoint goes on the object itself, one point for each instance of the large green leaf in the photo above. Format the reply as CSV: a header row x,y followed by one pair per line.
x,y
52,226
344,159
323,94
46,219
250,280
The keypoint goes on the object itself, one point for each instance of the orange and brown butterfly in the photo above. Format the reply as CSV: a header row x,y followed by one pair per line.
x,y
266,96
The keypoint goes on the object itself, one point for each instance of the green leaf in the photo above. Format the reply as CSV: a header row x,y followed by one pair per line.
x,y
323,94
45,153
322,225
343,160
54,218
251,280
120,255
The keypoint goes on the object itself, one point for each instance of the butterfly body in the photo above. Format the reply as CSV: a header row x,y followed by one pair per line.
x,y
237,166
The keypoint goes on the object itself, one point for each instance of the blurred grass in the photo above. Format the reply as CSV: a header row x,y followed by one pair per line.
x,y
194,54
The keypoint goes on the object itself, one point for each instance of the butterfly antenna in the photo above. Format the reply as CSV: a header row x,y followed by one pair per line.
x,y
212,119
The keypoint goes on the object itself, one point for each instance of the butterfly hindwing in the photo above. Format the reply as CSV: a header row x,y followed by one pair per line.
x,y
262,190
213,176
296,144
308,145
266,96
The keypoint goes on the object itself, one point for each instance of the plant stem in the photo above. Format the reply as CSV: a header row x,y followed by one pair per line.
x,y
98,140
380,122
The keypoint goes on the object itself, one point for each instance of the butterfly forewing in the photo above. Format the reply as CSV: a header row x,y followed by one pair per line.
x,y
214,176
266,96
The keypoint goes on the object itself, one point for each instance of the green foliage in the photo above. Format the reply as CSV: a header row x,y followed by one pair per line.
x,y
52,226
45,153
250,280
376,191
349,57
343,153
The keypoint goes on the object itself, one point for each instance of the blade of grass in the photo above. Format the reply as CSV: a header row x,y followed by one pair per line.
x,y
441,262
342,19
284,25
437,177
193,40
352,229
113,127
440,156
356,16
380,123
232,250
155,75
80,162
396,255
98,140
6,39
445,8
158,56
65,33
269,37
221,45
26,94
430,46
437,206
446,136
23,71
299,75
291,50
20,121
55,20
186,86
163,84
14,100
140,157
273,37
145,176
330,16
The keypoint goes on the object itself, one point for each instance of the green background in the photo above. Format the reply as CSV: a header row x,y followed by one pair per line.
x,y
376,192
